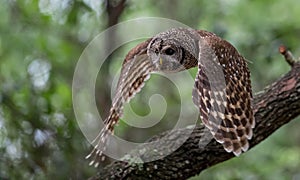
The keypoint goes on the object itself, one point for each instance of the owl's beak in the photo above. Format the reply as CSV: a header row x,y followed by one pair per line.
x,y
160,61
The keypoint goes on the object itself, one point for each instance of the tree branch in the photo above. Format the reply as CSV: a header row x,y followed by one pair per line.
x,y
277,105
114,10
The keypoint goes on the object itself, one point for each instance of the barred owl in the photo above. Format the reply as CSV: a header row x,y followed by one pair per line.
x,y
222,90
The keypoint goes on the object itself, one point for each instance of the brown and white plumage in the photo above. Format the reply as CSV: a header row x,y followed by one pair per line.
x,y
135,71
227,112
222,89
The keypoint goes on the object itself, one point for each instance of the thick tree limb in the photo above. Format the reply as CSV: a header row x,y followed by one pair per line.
x,y
277,105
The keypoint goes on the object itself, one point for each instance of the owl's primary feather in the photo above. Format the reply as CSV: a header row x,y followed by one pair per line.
x,y
135,71
226,112
222,89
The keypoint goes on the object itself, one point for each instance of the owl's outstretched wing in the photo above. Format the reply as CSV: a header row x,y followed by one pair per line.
x,y
135,71
222,91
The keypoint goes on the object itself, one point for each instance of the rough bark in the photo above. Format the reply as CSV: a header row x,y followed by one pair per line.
x,y
277,105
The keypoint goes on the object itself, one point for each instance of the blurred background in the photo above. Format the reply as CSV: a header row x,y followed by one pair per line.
x,y
42,40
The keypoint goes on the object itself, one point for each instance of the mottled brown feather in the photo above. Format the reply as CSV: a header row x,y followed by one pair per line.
x,y
234,130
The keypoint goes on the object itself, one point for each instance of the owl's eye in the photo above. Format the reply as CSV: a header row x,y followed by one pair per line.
x,y
169,51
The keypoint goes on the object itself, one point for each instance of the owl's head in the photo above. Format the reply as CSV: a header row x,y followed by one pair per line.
x,y
173,50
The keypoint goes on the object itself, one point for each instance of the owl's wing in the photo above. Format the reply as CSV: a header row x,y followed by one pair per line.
x,y
135,71
222,91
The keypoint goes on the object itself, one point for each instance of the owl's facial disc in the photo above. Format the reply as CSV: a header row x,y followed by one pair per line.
x,y
166,57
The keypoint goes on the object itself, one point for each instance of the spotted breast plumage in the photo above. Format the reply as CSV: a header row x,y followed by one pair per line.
x,y
222,89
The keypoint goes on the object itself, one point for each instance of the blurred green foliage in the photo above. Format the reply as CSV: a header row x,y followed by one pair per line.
x,y
41,41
